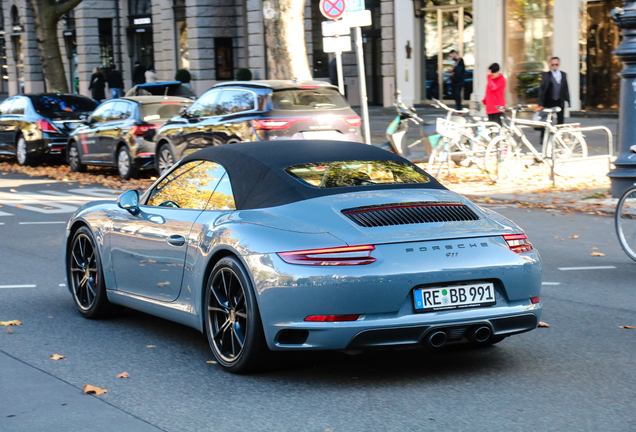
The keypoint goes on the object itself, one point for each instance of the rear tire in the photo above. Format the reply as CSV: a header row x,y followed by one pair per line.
x,y
125,164
74,160
21,153
502,158
165,158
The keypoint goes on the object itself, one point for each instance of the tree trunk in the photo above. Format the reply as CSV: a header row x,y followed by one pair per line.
x,y
47,13
285,39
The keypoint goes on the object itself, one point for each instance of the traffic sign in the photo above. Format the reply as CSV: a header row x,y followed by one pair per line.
x,y
333,28
332,9
336,44
357,19
355,5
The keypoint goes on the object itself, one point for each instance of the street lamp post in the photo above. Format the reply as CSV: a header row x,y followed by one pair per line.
x,y
624,173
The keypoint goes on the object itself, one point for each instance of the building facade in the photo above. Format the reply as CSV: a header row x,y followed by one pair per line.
x,y
406,48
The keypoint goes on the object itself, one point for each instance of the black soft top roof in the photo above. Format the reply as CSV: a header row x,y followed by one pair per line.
x,y
258,176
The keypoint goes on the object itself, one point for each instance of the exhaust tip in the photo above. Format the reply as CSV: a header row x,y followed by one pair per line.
x,y
481,334
436,339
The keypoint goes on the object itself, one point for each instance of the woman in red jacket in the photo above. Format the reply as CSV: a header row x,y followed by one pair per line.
x,y
495,98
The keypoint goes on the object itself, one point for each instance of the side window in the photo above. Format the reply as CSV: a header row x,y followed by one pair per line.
x,y
204,106
188,186
101,113
223,197
18,107
120,111
235,101
5,106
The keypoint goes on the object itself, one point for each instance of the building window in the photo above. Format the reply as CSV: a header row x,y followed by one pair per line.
x,y
140,7
181,28
528,47
223,59
320,58
106,57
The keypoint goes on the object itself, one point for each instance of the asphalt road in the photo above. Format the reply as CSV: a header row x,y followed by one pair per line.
x,y
578,374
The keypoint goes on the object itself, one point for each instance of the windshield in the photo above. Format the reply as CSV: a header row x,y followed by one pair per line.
x,y
308,99
357,173
162,111
63,105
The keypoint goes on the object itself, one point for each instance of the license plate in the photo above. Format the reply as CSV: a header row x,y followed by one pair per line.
x,y
454,297
323,135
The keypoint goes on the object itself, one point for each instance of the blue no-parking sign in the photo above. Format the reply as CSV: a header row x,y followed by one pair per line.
x,y
355,5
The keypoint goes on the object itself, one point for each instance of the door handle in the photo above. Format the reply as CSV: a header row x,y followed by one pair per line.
x,y
200,127
176,240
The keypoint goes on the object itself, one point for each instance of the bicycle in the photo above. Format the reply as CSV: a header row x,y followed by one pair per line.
x,y
503,153
625,218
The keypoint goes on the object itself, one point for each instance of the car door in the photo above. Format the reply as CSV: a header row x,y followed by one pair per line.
x,y
13,122
110,131
5,135
89,146
193,135
234,120
148,249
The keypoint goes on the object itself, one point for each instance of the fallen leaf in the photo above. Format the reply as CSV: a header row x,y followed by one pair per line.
x,y
597,254
89,389
163,284
627,327
57,357
10,323
20,205
542,324
150,261
150,346
211,362
574,236
12,190
594,248
123,375
48,208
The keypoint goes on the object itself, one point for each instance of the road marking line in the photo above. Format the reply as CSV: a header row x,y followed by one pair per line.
x,y
5,214
587,268
550,283
18,286
62,285
42,223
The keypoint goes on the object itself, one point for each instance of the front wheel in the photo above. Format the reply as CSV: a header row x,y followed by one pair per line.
x,y
625,219
125,164
74,160
165,159
571,145
232,320
502,158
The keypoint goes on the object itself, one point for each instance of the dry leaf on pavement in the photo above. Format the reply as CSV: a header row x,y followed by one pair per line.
x,y
123,375
594,248
150,346
57,357
211,362
10,323
597,254
627,327
574,236
542,324
89,389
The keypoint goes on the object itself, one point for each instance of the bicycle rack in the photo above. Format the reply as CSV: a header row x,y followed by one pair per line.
x,y
608,156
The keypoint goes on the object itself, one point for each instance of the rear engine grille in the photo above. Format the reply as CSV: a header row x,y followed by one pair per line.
x,y
414,213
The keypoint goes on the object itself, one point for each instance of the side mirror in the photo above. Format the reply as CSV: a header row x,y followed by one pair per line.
x,y
183,111
129,200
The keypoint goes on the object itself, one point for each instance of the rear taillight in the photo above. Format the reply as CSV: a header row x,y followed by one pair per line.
x,y
273,124
353,121
141,130
535,300
518,243
347,255
45,126
331,318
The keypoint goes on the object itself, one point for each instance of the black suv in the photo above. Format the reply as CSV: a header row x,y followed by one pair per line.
x,y
257,111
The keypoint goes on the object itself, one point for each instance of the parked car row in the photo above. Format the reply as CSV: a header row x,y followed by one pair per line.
x,y
155,128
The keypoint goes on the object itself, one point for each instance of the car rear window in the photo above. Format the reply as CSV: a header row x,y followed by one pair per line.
x,y
161,111
63,106
357,173
308,99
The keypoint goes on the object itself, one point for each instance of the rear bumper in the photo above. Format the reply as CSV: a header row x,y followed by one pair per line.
x,y
51,145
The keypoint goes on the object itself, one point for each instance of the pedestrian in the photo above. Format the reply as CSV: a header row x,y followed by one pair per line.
x,y
457,78
97,85
151,75
138,74
495,99
115,82
554,91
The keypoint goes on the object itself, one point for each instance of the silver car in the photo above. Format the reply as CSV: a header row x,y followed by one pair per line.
x,y
301,245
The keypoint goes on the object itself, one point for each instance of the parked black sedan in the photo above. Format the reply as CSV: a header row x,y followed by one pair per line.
x,y
37,126
257,111
120,133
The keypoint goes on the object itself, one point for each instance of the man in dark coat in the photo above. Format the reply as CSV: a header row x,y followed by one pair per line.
x,y
457,78
554,91
115,82
139,74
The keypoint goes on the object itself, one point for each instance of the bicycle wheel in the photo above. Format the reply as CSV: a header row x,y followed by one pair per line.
x,y
625,219
571,145
437,159
502,158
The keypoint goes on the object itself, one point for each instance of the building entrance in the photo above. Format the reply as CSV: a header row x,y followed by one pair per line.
x,y
443,29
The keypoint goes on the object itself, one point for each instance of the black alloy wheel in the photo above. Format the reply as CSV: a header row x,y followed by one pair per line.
x,y
232,321
125,164
165,159
85,276
74,160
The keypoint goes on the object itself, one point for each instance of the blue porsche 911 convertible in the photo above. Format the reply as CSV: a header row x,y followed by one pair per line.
x,y
305,245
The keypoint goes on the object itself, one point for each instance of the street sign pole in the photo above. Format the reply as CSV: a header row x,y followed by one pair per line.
x,y
340,74
363,87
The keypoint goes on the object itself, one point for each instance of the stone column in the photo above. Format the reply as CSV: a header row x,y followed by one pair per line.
x,y
624,173
488,19
565,43
405,54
